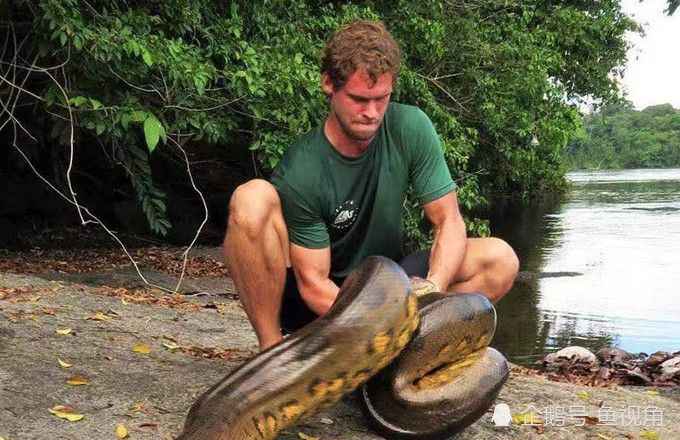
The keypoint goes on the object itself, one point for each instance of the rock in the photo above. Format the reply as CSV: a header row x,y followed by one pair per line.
x,y
636,373
604,373
657,358
612,356
669,369
571,356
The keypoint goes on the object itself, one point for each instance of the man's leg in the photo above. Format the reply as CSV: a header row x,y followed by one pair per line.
x,y
256,251
489,267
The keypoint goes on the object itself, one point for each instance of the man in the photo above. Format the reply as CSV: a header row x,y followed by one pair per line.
x,y
337,197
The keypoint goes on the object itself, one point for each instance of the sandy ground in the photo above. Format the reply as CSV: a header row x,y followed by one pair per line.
x,y
151,393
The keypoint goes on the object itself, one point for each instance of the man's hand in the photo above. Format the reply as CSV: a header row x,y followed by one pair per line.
x,y
422,287
450,240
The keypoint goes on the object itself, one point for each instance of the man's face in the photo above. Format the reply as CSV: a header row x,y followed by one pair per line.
x,y
358,106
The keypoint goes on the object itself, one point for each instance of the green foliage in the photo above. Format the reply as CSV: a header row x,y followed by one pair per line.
x,y
621,137
494,76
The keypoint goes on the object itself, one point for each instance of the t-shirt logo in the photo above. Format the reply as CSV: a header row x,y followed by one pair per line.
x,y
345,215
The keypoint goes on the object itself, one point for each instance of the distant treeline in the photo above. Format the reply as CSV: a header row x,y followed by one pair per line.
x,y
622,137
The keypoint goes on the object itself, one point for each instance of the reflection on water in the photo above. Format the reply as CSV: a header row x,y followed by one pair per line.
x,y
600,268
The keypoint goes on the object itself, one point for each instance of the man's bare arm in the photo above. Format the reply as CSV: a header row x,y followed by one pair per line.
x,y
450,239
312,268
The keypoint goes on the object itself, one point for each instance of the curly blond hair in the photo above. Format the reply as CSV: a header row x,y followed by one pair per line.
x,y
360,44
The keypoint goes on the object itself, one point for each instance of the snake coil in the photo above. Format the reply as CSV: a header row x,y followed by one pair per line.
x,y
445,378
373,320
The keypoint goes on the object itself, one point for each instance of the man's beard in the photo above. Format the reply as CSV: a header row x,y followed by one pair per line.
x,y
353,134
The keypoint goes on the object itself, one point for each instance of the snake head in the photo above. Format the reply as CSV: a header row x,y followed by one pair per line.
x,y
422,286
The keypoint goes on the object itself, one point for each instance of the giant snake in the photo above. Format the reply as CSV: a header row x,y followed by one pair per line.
x,y
445,378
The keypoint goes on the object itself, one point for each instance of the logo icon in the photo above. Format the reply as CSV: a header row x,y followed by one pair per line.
x,y
501,415
345,215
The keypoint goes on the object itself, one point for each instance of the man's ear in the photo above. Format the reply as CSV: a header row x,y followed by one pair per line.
x,y
327,84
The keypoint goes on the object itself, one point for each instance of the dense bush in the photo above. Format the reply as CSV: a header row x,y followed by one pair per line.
x,y
137,76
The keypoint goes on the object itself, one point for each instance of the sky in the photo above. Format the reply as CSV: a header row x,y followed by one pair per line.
x,y
653,69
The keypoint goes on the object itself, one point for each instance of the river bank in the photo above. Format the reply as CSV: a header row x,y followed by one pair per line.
x,y
145,356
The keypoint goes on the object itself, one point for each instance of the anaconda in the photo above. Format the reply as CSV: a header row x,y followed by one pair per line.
x,y
445,378
372,320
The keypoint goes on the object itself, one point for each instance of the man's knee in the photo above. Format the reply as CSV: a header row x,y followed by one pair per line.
x,y
252,205
504,264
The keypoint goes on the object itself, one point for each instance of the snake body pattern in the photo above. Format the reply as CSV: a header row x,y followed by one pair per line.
x,y
444,379
372,320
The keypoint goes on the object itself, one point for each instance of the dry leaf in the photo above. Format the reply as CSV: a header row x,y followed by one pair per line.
x,y
63,364
653,393
630,436
64,331
592,420
121,431
171,346
307,437
124,302
99,316
32,317
583,395
66,412
136,408
16,315
604,437
76,380
141,349
169,337
650,435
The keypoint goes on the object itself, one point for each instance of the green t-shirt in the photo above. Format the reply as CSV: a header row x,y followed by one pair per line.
x,y
355,204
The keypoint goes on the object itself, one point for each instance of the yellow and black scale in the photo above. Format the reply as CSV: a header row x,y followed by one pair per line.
x,y
441,375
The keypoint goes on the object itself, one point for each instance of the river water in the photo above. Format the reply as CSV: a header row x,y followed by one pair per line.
x,y
601,268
